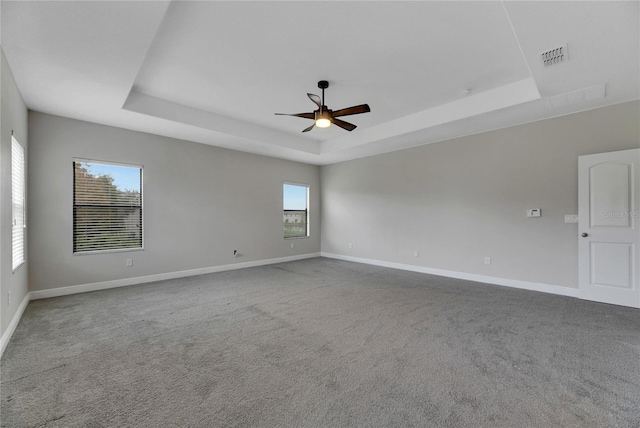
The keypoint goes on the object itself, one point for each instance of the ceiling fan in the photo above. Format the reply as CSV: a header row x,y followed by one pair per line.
x,y
324,117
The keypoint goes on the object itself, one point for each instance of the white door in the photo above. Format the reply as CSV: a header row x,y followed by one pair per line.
x,y
609,227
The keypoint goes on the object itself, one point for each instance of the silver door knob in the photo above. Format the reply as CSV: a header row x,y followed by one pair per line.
x,y
584,234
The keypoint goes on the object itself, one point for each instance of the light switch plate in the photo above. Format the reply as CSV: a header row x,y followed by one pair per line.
x,y
570,218
534,212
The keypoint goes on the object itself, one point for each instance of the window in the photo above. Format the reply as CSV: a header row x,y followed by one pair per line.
x,y
107,207
18,186
296,211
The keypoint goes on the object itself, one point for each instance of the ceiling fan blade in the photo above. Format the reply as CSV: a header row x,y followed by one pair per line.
x,y
309,128
363,108
344,125
316,99
305,115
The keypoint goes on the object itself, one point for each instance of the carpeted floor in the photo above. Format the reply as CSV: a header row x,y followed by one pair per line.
x,y
321,343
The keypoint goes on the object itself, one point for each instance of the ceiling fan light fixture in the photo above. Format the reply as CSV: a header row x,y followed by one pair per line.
x,y
323,122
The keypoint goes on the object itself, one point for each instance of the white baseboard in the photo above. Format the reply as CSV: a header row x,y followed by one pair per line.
x,y
95,286
4,341
525,285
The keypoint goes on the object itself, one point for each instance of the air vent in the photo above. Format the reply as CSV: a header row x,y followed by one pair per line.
x,y
555,56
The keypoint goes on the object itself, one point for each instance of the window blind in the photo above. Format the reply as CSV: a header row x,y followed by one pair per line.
x,y
17,203
107,207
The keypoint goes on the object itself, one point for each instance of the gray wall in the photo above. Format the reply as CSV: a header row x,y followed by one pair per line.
x,y
461,200
200,203
13,116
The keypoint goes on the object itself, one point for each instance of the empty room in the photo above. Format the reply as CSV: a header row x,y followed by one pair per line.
x,y
320,214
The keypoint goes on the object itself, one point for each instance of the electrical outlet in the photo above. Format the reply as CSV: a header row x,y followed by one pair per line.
x,y
350,245
129,262
293,245
8,298
416,254
236,253
487,260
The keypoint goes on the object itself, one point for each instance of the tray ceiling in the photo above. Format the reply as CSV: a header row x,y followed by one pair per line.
x,y
216,72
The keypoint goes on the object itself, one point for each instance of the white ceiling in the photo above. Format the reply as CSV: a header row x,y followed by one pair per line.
x,y
216,72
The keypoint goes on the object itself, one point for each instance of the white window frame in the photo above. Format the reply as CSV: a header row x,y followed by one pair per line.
x,y
308,231
111,250
18,204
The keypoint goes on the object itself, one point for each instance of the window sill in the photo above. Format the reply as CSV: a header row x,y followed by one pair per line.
x,y
119,250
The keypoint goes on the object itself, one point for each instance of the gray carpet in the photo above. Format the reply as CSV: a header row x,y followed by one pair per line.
x,y
321,343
